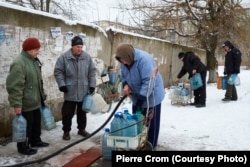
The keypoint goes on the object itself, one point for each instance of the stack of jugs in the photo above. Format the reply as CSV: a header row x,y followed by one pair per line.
x,y
106,151
19,125
116,125
139,117
129,124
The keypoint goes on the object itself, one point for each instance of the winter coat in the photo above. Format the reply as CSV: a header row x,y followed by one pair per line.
x,y
191,62
77,75
138,79
232,60
24,83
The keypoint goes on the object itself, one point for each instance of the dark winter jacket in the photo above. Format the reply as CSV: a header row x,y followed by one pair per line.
x,y
24,83
232,60
77,75
191,62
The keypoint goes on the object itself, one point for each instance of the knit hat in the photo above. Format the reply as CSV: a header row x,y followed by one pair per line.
x,y
76,41
31,43
181,54
228,43
126,52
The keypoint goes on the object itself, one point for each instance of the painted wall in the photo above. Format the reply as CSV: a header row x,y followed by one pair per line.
x,y
100,44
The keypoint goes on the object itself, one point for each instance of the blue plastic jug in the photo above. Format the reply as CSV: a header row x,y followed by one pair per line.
x,y
139,119
19,128
87,102
130,127
106,151
47,118
116,125
184,92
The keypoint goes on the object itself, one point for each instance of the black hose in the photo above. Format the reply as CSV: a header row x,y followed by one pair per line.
x,y
72,144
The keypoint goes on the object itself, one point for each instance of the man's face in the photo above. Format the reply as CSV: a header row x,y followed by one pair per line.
x,y
77,49
226,48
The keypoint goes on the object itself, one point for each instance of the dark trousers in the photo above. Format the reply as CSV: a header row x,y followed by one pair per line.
x,y
231,92
68,111
33,119
200,94
154,125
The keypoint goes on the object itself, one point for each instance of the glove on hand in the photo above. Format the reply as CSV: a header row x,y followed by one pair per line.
x,y
224,73
91,90
63,89
140,101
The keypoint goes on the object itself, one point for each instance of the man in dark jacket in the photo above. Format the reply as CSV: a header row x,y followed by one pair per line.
x,y
75,74
191,65
232,66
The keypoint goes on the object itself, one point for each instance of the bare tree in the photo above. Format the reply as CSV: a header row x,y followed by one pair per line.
x,y
71,9
201,23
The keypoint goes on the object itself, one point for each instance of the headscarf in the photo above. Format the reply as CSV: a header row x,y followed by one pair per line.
x,y
126,52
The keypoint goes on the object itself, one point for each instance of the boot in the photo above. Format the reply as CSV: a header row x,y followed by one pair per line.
x,y
66,136
83,133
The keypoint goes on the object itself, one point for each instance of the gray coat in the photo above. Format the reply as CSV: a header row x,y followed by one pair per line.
x,y
77,75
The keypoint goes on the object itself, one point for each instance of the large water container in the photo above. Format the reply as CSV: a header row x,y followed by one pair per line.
x,y
139,119
116,125
19,128
87,102
184,92
125,113
106,151
113,76
130,127
47,118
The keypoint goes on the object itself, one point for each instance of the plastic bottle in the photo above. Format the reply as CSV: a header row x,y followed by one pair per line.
x,y
19,128
116,125
87,102
125,113
184,92
139,119
47,118
130,131
106,151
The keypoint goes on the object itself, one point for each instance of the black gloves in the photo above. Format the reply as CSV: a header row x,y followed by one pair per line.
x,y
224,73
63,89
91,90
140,101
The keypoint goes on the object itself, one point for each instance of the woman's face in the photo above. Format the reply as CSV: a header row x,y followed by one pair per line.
x,y
123,61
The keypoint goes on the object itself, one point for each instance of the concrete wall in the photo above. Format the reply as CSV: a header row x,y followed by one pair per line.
x,y
16,25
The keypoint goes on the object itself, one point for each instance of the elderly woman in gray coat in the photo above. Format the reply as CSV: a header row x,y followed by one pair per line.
x,y
75,75
142,81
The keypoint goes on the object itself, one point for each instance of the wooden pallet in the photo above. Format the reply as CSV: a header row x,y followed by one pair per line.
x,y
86,159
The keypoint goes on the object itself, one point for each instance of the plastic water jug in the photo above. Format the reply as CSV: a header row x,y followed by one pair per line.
x,y
116,125
106,151
113,76
184,92
99,104
130,126
87,102
19,128
139,119
125,113
47,118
